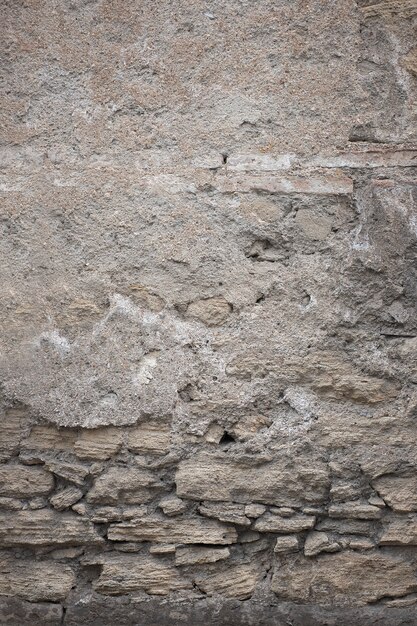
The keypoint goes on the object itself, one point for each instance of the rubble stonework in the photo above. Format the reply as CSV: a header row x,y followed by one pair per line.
x,y
209,331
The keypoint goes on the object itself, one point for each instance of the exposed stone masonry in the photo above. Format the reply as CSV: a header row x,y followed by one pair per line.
x,y
209,346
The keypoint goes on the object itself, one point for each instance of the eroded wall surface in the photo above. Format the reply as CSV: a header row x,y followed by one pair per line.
x,y
208,312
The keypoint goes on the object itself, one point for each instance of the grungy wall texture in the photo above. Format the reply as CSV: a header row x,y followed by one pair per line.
x,y
208,310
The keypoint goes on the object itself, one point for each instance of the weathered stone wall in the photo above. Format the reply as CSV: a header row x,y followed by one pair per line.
x,y
208,309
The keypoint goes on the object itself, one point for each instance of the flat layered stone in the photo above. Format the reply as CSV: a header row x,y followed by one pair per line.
x,y
172,506
64,499
317,542
200,556
149,438
287,543
270,523
23,482
35,581
180,530
161,548
139,573
399,492
399,531
238,581
354,510
12,504
254,510
104,514
225,512
284,482
48,438
45,528
74,472
346,526
66,553
358,543
348,578
14,426
122,484
99,443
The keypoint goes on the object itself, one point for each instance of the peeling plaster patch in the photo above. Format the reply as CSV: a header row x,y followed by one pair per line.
x,y
413,224
312,303
109,400
53,338
359,244
300,401
118,305
145,375
110,378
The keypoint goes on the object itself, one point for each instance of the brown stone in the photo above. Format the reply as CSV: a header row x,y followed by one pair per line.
x,y
270,523
200,556
399,492
285,481
409,61
317,542
64,499
249,426
66,553
47,438
161,548
360,543
286,543
11,504
237,581
122,484
346,526
254,510
73,472
45,528
354,510
35,580
100,443
343,578
225,512
386,8
181,530
14,425
38,503
149,438
171,506
130,574
24,482
399,531
210,311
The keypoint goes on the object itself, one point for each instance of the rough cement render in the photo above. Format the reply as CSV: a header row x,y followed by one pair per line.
x,y
208,310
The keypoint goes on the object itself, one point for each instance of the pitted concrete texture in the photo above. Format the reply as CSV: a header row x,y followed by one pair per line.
x,y
209,329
